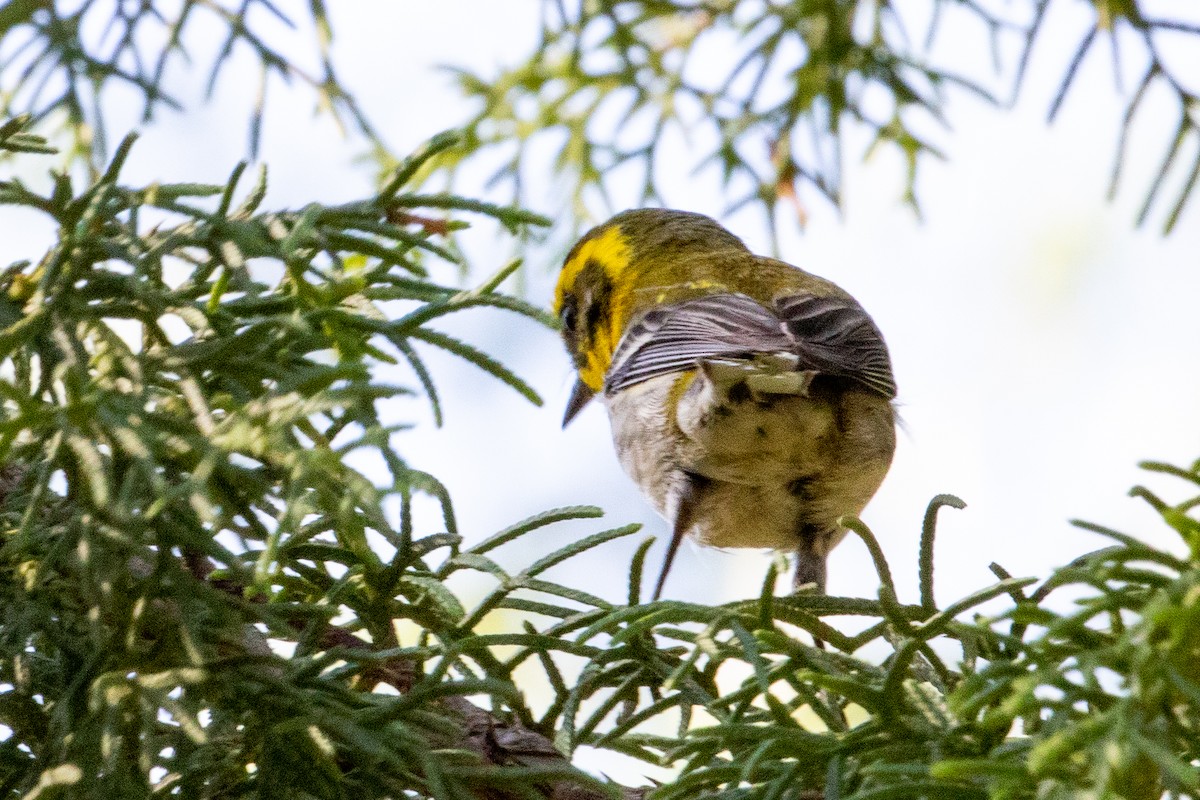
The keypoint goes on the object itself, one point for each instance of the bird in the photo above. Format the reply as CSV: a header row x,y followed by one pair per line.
x,y
752,402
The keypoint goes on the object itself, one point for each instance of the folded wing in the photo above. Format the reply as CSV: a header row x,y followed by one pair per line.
x,y
830,335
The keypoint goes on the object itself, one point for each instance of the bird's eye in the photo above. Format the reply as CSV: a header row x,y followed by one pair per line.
x,y
567,316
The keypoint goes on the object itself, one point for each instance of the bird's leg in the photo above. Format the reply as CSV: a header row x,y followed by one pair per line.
x,y
810,564
810,559
685,515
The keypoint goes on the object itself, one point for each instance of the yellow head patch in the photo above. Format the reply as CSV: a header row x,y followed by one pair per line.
x,y
608,249
597,284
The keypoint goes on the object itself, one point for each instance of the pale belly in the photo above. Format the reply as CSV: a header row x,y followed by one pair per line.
x,y
768,470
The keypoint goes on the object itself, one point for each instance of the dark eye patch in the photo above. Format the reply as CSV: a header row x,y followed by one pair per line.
x,y
595,314
599,299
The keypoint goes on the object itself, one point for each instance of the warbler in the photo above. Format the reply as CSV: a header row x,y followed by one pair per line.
x,y
749,400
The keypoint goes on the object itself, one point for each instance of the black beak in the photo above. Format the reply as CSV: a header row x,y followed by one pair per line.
x,y
580,396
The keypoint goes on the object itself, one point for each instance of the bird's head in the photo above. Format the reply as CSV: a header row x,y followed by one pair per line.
x,y
619,269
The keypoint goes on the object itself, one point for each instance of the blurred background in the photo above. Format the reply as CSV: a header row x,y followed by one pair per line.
x,y
1043,343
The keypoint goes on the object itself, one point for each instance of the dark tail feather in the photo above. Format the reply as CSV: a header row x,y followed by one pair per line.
x,y
685,515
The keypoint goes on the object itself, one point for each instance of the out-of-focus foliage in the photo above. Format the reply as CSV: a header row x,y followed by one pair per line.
x,y
60,60
767,93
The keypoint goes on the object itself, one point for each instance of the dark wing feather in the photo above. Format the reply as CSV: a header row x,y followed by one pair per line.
x,y
678,337
832,335
835,335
